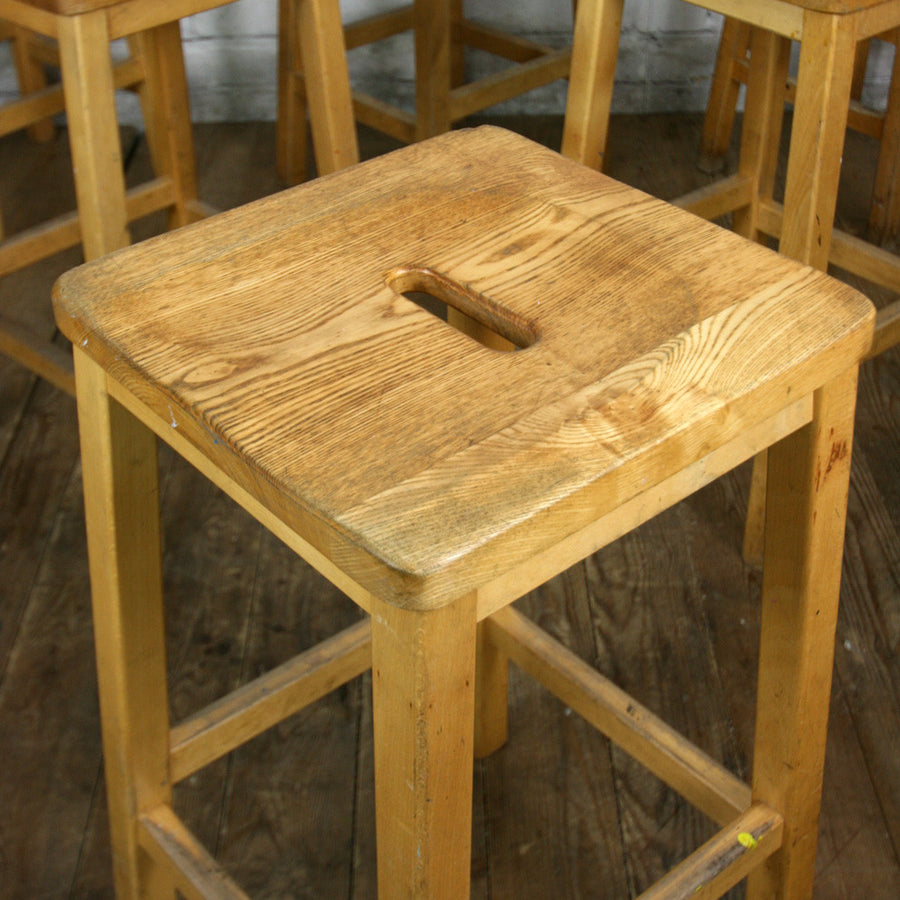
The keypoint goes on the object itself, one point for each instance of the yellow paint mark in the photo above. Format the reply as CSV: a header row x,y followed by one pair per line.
x,y
747,840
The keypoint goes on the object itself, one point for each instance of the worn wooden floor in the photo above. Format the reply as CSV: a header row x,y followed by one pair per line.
x,y
670,612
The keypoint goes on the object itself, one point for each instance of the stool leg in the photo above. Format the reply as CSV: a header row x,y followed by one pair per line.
x,y
30,74
824,81
755,523
807,500
291,126
433,70
760,140
457,48
93,132
327,85
884,216
763,121
121,510
860,65
595,46
423,689
718,121
167,116
491,694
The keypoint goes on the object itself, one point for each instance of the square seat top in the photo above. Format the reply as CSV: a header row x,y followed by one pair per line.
x,y
277,338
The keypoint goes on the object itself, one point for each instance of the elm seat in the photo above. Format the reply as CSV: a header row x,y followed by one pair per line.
x,y
280,348
81,31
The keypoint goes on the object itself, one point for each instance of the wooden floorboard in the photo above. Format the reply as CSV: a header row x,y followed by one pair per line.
x,y
652,642
670,612
550,794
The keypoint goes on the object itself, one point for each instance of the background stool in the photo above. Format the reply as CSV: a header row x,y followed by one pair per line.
x,y
82,30
730,72
828,35
732,66
443,96
289,361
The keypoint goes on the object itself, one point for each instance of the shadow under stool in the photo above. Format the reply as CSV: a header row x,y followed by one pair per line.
x,y
80,32
281,350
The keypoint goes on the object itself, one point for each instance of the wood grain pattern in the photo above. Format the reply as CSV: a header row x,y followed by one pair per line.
x,y
194,359
423,700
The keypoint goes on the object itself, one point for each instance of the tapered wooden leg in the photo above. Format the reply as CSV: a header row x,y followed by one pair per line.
x,y
167,116
121,510
291,126
433,66
491,694
884,215
723,93
327,85
824,81
457,48
755,523
763,120
760,139
93,132
860,66
30,74
423,688
806,506
595,47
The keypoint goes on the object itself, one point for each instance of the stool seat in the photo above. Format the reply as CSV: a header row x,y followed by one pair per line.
x,y
442,377
349,376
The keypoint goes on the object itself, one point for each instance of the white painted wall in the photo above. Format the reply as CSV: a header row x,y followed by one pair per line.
x,y
666,56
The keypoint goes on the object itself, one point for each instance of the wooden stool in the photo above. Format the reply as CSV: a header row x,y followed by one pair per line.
x,y
442,94
434,480
82,30
731,71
